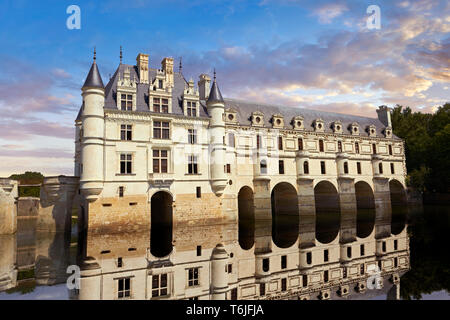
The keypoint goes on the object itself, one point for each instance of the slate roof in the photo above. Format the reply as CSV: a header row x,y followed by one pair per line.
x,y
244,108
93,78
214,94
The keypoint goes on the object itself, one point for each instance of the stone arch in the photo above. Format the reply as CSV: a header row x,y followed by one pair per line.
x,y
365,205
328,211
161,226
285,215
246,217
398,206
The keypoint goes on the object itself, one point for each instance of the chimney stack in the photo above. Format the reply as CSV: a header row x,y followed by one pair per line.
x,y
142,65
167,66
384,115
204,85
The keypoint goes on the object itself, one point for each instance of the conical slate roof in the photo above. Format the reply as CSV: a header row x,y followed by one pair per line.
x,y
214,94
93,78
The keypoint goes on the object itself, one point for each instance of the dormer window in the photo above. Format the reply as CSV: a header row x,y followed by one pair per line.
x,y
191,109
231,115
388,132
277,121
126,102
257,119
354,128
297,123
160,84
337,127
160,105
319,125
372,130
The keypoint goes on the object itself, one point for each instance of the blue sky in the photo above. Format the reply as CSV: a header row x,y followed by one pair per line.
x,y
312,54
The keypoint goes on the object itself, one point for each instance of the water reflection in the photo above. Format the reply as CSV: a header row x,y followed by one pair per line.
x,y
206,262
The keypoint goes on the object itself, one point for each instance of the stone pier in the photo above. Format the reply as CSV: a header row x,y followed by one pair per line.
x,y
383,210
263,216
307,212
347,202
8,206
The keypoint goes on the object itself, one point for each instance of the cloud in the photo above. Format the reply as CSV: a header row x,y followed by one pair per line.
x,y
15,130
328,12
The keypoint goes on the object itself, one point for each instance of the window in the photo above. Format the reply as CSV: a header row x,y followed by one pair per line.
x,y
191,109
192,164
358,167
344,272
263,167
161,130
395,262
325,255
321,148
160,105
124,288
229,268
234,294
374,148
262,289
121,191
199,192
125,163
325,276
395,244
160,160
159,285
380,167
392,169
283,262
356,147
361,269
349,252
280,143
300,144
119,262
231,139
380,265
322,167
309,257
345,167
383,246
258,142
283,284
160,84
199,251
339,146
228,168
305,167
125,132
266,265
362,250
193,277
305,280
126,102
390,149
281,167
192,136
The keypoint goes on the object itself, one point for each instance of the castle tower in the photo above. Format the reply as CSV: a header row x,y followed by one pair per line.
x,y
216,109
219,277
93,92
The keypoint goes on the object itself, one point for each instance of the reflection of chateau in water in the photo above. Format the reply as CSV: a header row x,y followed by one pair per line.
x,y
210,262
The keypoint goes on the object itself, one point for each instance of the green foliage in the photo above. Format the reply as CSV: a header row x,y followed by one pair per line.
x,y
427,146
28,177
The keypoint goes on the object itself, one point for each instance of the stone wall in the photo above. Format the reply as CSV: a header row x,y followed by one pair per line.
x,y
8,206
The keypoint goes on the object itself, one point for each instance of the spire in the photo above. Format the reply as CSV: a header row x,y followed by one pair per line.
x,y
214,94
181,65
120,54
93,78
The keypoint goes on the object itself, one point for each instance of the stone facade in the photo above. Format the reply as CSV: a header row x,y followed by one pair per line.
x,y
8,206
150,130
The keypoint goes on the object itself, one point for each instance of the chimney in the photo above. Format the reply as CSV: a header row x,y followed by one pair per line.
x,y
204,85
142,65
167,66
384,115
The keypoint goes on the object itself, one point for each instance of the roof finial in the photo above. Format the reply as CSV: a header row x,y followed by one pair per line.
x,y
181,64
120,54
214,74
95,54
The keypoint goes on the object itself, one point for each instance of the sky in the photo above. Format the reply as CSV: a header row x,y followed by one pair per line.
x,y
309,54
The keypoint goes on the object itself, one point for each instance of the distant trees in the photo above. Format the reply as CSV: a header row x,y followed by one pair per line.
x,y
28,177
427,146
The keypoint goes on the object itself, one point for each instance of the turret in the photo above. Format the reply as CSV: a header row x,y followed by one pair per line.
x,y
219,277
93,92
216,109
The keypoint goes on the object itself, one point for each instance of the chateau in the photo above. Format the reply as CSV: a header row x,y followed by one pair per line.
x,y
152,147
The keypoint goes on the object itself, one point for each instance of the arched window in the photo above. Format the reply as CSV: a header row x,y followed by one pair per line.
x,y
305,167
231,139
263,167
